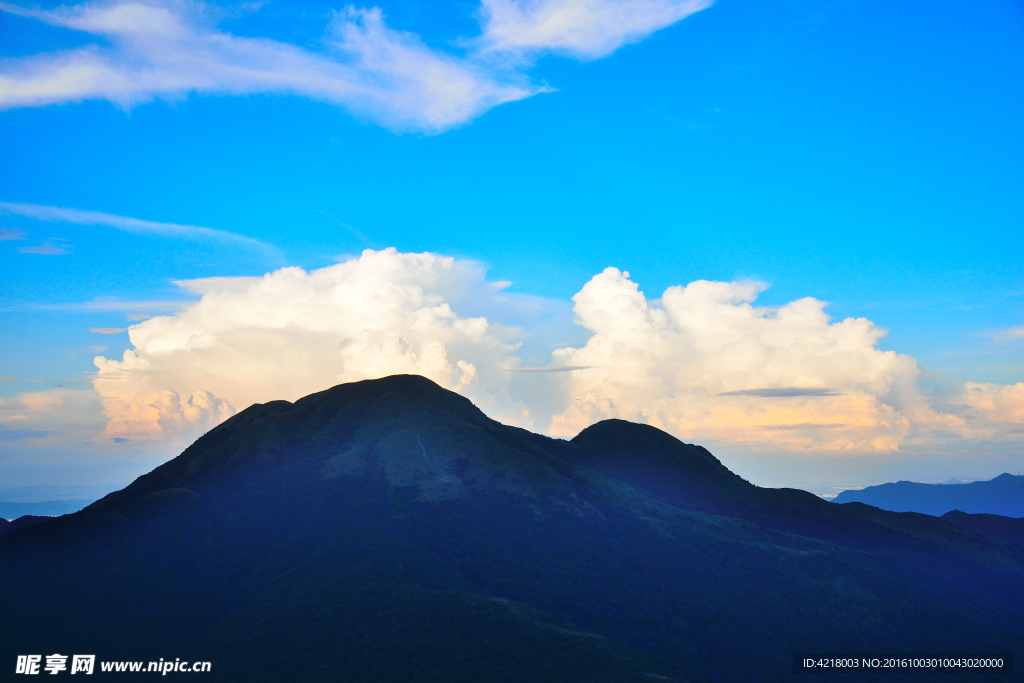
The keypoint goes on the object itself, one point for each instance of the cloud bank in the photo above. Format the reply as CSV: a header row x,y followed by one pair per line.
x,y
704,362
292,332
169,50
997,409
59,418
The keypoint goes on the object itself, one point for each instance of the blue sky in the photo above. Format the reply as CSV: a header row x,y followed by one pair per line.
x,y
863,154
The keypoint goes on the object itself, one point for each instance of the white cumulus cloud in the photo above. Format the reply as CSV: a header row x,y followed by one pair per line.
x,y
708,363
291,332
997,409
703,362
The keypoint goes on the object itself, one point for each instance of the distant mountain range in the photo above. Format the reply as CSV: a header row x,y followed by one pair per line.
x,y
47,500
1003,495
48,508
388,530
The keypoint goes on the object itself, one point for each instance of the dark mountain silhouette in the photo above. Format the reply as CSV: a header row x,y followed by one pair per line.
x,y
996,527
1003,495
24,520
388,530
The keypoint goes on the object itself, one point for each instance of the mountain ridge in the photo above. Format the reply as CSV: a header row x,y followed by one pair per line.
x,y
389,530
994,527
1003,495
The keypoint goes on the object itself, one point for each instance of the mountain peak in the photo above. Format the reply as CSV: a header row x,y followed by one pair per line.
x,y
404,429
653,461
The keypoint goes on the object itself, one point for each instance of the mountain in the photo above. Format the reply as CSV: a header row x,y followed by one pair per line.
x,y
1003,495
24,520
387,530
995,527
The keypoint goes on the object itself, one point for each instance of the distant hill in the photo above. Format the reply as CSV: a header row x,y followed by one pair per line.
x,y
48,508
1003,495
49,501
388,530
996,527
7,526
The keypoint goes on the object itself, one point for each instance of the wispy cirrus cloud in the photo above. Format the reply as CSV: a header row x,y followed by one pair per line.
x,y
1007,334
55,214
111,305
7,234
585,29
168,50
51,247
